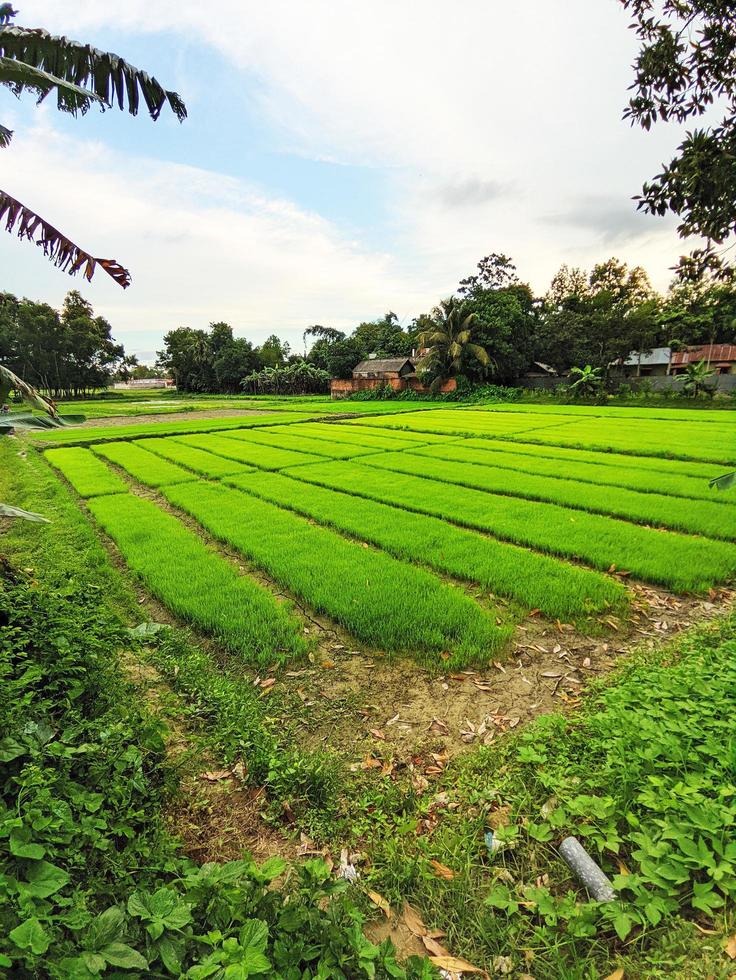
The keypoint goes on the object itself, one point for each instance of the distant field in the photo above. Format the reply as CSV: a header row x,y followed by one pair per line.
x,y
382,523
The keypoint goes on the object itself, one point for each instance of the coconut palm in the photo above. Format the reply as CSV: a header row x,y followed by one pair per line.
x,y
80,76
448,342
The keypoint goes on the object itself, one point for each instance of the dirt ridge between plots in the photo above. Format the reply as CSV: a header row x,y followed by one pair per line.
x,y
211,413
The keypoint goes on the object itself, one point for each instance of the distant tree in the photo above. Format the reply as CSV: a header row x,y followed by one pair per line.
x,y
80,76
687,66
495,271
449,344
187,358
272,352
384,338
700,312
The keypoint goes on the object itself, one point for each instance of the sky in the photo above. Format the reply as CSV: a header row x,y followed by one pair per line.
x,y
339,159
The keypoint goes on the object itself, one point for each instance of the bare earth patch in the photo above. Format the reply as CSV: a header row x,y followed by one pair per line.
x,y
215,413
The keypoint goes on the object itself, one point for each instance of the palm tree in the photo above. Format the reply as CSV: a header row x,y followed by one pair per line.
x,y
696,378
449,343
589,380
81,76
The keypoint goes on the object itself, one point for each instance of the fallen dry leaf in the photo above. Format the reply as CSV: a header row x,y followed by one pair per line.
x,y
616,975
730,947
216,775
433,947
503,964
442,871
453,965
377,733
413,921
381,902
268,683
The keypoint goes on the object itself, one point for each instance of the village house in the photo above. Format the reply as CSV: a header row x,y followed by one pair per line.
x,y
721,358
398,373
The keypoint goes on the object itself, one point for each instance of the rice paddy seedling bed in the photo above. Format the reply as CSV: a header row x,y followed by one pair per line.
x,y
251,453
381,601
678,561
647,464
89,476
197,583
710,442
107,433
696,516
375,438
647,481
558,589
144,466
274,436
194,459
725,415
460,421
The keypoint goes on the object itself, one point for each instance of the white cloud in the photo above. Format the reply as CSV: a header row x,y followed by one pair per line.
x,y
486,118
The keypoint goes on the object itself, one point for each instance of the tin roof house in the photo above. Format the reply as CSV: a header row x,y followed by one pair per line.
x,y
398,373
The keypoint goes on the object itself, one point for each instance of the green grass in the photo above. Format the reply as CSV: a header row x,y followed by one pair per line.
x,y
381,601
300,443
678,561
558,589
645,464
264,457
708,441
198,584
648,481
78,435
710,518
145,467
198,460
87,474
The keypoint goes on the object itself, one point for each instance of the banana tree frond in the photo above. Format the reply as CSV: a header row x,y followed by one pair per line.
x,y
103,75
724,482
20,76
11,382
6,136
7,511
62,251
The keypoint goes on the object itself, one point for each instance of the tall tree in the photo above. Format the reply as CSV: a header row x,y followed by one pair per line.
x,y
449,344
687,66
80,76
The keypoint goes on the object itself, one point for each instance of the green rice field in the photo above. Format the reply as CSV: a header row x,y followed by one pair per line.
x,y
425,534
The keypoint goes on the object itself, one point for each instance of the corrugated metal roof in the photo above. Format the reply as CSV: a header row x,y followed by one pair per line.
x,y
708,352
660,355
387,365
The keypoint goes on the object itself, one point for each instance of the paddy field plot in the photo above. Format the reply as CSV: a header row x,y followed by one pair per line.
x,y
425,534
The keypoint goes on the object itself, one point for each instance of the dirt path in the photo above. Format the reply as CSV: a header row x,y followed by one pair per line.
x,y
214,413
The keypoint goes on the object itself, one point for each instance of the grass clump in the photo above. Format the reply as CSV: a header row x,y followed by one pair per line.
x,y
264,457
204,463
710,518
144,466
679,561
88,475
197,583
533,580
381,601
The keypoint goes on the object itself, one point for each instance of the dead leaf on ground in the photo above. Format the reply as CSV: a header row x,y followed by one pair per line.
x,y
216,775
381,903
413,921
730,947
268,683
377,733
503,964
454,965
439,727
433,947
616,975
442,871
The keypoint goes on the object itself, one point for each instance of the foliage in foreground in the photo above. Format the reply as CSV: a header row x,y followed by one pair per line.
x,y
90,883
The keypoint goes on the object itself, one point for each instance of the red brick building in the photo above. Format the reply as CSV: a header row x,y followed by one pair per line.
x,y
397,372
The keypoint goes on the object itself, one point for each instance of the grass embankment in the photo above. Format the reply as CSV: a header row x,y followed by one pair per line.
x,y
264,457
381,601
681,562
597,471
81,436
206,464
89,476
533,580
198,584
710,518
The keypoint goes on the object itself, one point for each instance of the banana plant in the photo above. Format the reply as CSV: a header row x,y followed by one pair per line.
x,y
81,76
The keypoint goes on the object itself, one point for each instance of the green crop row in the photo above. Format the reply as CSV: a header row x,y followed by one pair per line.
x,y
621,461
75,435
264,457
300,443
630,478
460,421
697,516
710,442
678,561
87,474
197,583
381,601
207,464
558,589
705,415
364,436
144,466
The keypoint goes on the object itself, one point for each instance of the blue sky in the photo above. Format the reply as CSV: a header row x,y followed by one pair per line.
x,y
338,160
